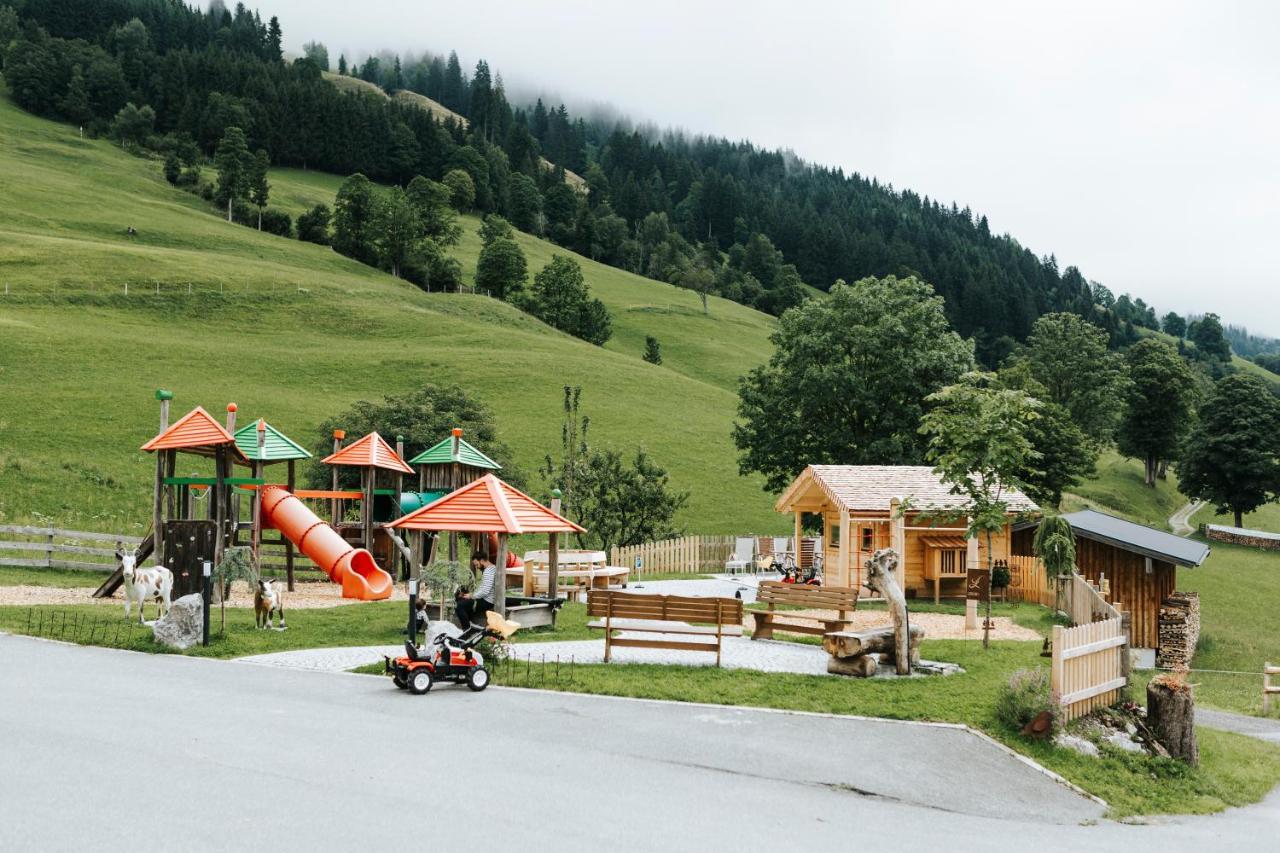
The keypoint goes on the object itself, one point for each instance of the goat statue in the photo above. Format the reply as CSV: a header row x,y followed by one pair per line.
x,y
143,585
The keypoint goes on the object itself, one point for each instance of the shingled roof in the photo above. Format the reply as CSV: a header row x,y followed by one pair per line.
x,y
195,432
871,488
443,453
372,451
276,446
487,505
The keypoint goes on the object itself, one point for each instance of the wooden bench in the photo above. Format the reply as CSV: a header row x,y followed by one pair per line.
x,y
710,619
839,598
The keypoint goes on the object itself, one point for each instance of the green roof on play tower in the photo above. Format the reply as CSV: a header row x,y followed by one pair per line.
x,y
276,446
443,453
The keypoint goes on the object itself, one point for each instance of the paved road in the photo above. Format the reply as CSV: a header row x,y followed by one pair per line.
x,y
1180,521
109,750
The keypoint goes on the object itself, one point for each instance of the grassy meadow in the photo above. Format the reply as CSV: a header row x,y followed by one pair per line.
x,y
294,332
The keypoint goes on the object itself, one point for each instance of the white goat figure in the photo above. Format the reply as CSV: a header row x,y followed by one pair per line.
x,y
143,585
268,598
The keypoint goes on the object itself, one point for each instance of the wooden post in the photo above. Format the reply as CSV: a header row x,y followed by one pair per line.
x,y
288,543
397,559
258,467
971,604
797,539
366,506
217,496
553,550
500,592
334,515
842,563
454,475
157,512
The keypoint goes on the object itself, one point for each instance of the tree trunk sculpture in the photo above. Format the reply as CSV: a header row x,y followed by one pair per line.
x,y
882,577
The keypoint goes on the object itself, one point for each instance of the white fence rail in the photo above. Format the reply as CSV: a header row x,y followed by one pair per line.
x,y
33,547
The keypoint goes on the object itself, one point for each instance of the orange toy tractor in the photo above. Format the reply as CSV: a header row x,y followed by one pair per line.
x,y
445,659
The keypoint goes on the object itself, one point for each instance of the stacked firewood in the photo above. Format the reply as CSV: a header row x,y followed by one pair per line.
x,y
1179,629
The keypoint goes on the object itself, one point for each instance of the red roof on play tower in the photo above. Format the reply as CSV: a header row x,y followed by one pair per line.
x,y
372,451
195,432
487,505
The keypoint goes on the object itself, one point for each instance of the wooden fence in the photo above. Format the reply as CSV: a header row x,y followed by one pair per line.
x,y
688,554
53,548
1089,667
1027,582
1085,603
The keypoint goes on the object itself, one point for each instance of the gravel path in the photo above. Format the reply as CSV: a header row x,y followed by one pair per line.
x,y
307,596
1263,728
1180,521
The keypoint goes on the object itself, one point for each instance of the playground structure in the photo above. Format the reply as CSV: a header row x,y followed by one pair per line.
x,y
196,518
490,506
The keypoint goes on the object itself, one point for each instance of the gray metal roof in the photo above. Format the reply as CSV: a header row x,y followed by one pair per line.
x,y
1138,538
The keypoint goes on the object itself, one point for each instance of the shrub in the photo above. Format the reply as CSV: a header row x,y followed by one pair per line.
x,y
313,226
1024,697
1000,576
277,222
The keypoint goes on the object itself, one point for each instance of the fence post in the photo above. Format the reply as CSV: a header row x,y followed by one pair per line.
x,y
48,555
1125,661
1055,669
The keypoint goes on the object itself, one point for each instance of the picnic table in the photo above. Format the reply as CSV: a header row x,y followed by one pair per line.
x,y
577,570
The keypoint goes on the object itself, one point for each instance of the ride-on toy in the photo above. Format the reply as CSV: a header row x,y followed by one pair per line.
x,y
445,659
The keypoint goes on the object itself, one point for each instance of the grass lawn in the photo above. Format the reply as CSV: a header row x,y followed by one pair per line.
x,y
1264,518
295,333
1239,588
63,578
1117,488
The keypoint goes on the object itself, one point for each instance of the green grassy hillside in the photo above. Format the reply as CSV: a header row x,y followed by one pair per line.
x,y
1117,487
294,332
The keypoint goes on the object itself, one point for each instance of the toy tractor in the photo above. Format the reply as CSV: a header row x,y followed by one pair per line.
x,y
447,658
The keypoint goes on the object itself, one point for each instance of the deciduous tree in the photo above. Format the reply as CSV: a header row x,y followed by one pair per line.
x,y
501,270
847,381
1069,357
1159,405
1232,457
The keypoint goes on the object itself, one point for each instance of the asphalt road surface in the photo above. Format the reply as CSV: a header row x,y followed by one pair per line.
x,y
110,750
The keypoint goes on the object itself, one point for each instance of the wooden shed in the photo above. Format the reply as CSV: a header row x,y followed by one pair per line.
x,y
861,512
1140,562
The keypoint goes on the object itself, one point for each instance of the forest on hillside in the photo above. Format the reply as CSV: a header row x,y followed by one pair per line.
x,y
708,214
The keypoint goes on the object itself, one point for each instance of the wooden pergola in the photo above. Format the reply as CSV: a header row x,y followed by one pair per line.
x,y
489,505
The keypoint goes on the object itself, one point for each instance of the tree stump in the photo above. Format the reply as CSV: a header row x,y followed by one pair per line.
x,y
1171,716
882,576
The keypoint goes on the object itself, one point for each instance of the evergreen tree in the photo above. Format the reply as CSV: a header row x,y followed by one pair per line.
x,y
1159,405
235,169
453,93
74,105
275,40
431,201
501,270
494,226
1174,324
355,210
259,187
1232,458
342,64
172,168
525,208
652,350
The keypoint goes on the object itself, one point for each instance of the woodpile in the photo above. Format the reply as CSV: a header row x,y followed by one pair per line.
x,y
851,651
1179,630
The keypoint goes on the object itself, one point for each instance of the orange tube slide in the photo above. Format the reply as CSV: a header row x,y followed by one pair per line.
x,y
354,568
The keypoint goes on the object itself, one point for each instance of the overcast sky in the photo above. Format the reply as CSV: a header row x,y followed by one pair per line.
x,y
1138,141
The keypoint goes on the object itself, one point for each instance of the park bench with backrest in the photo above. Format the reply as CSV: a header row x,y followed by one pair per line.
x,y
688,623
841,599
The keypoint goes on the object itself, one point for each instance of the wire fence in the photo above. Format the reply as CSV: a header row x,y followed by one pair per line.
x,y
141,288
76,626
549,673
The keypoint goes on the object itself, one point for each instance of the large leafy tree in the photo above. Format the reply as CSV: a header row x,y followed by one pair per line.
x,y
501,270
980,443
1069,357
1064,454
354,214
1159,405
1211,343
847,380
561,298
424,417
1232,458
259,186
398,229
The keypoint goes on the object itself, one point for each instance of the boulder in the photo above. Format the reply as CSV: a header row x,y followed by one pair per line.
x,y
183,626
1078,744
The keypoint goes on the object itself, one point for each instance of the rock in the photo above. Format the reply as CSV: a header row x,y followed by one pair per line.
x,y
183,626
1122,740
1077,744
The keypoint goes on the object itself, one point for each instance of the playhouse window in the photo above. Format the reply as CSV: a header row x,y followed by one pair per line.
x,y
868,539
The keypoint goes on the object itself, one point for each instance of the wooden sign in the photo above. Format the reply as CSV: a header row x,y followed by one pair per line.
x,y
978,585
